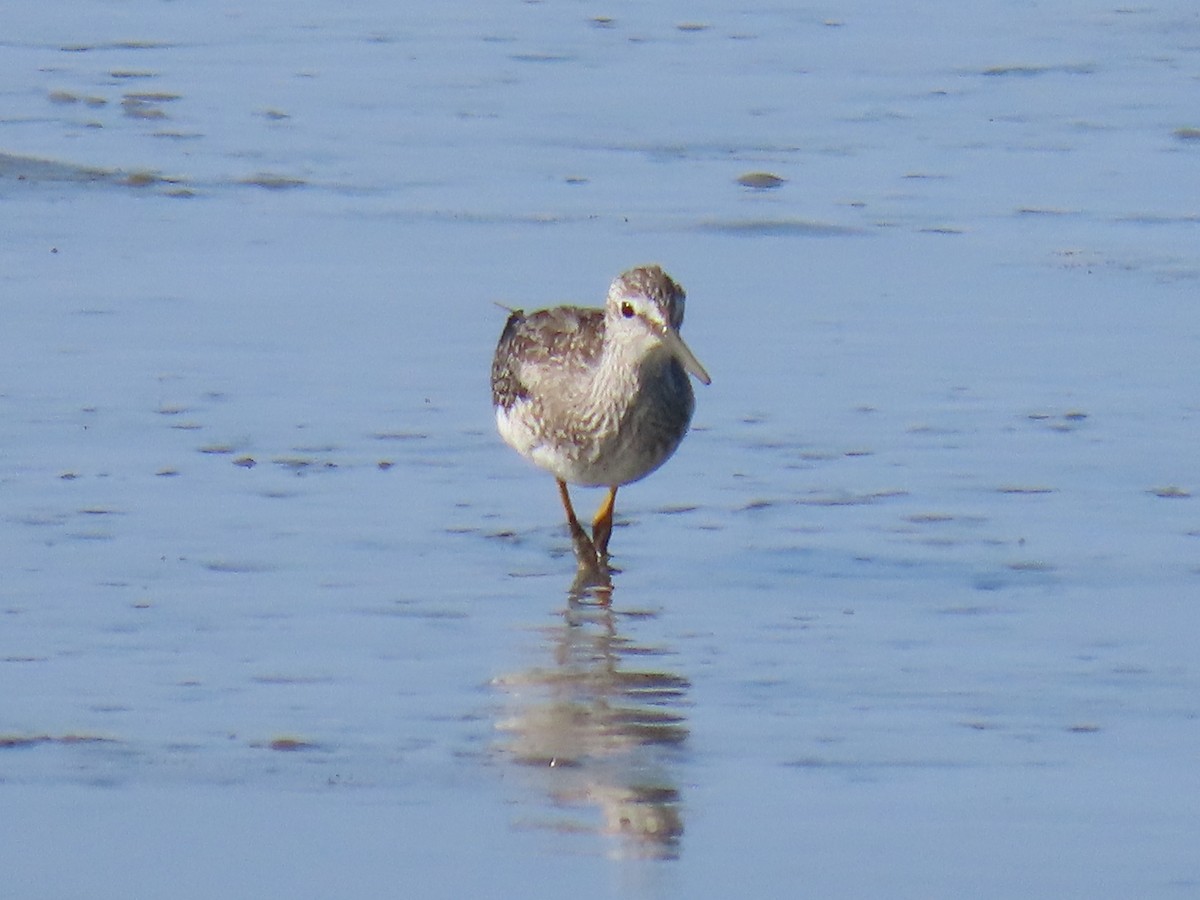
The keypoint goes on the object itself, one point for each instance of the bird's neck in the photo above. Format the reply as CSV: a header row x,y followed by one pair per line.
x,y
625,365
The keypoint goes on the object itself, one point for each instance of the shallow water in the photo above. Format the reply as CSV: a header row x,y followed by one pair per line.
x,y
911,613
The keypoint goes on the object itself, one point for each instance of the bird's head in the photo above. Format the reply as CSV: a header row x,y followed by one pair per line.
x,y
646,304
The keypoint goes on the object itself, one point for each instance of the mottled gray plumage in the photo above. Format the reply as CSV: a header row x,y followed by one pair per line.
x,y
559,343
598,397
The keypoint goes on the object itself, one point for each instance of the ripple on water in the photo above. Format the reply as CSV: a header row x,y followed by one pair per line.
x,y
778,228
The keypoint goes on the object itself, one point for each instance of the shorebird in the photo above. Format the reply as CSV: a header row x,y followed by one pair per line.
x,y
598,397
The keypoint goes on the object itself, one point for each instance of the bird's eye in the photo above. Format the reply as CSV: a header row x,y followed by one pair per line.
x,y
627,310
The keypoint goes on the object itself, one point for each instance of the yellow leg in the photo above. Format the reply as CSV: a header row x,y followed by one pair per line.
x,y
585,550
603,523
572,521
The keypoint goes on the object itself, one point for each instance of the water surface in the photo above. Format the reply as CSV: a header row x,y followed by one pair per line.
x,y
912,611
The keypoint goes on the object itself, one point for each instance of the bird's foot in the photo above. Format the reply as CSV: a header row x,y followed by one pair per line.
x,y
593,573
600,536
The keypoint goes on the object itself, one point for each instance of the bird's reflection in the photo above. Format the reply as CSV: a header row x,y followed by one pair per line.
x,y
600,727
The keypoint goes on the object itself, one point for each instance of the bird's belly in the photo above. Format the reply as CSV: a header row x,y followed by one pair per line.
x,y
602,453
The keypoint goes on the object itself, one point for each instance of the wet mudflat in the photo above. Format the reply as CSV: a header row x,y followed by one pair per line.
x,y
911,613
